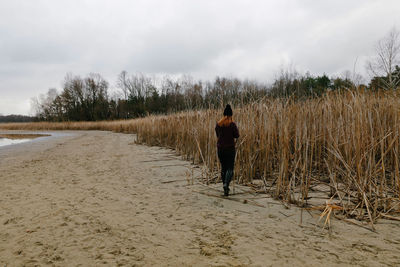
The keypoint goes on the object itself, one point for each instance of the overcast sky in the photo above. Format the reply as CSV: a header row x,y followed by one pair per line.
x,y
42,40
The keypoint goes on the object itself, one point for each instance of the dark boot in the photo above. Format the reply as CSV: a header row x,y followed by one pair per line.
x,y
228,177
226,191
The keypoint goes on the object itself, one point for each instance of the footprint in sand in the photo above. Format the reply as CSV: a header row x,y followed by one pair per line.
x,y
217,203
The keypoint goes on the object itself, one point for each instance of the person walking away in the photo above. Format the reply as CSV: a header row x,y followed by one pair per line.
x,y
227,132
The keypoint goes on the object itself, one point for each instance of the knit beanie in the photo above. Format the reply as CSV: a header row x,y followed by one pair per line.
x,y
228,110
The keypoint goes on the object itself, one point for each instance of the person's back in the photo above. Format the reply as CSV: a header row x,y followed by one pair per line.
x,y
226,131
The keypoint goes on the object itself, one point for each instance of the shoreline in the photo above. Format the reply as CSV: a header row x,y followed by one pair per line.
x,y
42,139
10,139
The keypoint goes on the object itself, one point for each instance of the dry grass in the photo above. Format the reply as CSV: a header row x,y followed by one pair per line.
x,y
347,142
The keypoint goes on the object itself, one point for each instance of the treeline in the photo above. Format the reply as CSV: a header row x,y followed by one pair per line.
x,y
89,98
16,118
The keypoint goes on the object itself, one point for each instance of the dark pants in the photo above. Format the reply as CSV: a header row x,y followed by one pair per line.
x,y
227,159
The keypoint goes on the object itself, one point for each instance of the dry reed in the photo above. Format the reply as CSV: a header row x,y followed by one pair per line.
x,y
348,142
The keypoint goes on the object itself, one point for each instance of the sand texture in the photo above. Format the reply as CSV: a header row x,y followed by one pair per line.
x,y
98,199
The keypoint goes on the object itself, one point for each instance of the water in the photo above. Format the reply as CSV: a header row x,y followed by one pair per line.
x,y
6,141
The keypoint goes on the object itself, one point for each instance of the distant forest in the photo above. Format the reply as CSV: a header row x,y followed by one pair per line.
x,y
16,118
89,99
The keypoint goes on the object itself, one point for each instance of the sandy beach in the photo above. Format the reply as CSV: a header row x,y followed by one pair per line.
x,y
98,199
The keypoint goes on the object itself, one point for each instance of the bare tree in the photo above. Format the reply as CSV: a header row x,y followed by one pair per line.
x,y
36,108
387,57
43,105
122,83
356,78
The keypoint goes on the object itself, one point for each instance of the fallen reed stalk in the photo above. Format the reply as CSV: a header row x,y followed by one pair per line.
x,y
346,140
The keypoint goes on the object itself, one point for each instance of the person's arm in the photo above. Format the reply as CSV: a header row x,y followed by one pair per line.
x,y
217,130
235,131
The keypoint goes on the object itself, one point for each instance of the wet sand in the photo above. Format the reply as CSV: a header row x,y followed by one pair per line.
x,y
96,198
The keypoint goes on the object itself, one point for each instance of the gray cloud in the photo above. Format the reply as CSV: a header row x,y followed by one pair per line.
x,y
42,40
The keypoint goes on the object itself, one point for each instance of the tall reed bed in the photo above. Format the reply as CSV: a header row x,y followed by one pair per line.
x,y
347,141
